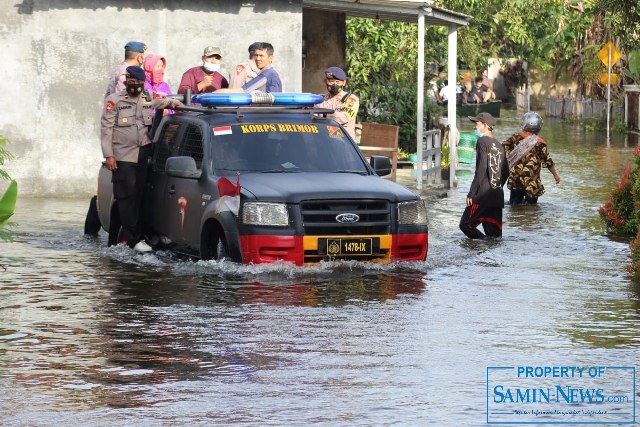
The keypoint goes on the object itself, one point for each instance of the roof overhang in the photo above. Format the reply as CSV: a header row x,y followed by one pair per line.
x,y
405,10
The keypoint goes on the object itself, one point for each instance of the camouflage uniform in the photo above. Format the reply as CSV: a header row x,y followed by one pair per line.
x,y
525,175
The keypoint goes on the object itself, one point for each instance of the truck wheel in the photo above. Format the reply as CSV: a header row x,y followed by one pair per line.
x,y
213,244
92,221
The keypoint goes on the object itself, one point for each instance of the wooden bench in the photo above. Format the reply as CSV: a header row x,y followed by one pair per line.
x,y
379,139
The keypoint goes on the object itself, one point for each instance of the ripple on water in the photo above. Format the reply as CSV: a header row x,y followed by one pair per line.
x,y
96,335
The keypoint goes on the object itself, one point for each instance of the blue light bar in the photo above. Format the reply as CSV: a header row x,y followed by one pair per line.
x,y
257,98
302,99
222,99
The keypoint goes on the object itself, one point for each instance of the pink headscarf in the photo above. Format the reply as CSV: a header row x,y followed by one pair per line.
x,y
150,61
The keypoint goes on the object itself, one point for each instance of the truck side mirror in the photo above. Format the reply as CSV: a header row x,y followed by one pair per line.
x,y
182,167
381,165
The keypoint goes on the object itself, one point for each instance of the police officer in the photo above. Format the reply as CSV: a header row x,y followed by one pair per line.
x,y
126,146
245,71
337,98
133,55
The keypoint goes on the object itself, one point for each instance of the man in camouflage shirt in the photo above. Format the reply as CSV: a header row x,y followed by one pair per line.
x,y
524,173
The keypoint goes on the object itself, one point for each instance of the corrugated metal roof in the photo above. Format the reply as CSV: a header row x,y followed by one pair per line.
x,y
405,10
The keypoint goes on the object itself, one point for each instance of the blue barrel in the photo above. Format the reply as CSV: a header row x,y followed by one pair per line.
x,y
466,147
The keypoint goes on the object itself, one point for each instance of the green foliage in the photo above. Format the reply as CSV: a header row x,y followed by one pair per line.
x,y
382,60
4,156
622,21
621,212
8,199
8,203
634,66
618,213
549,34
445,159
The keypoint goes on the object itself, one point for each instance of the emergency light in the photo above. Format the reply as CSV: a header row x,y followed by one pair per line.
x,y
257,98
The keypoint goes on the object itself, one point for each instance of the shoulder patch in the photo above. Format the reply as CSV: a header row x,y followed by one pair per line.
x,y
239,68
110,105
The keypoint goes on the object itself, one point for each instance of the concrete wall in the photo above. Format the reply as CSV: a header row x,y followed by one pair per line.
x,y
57,56
324,40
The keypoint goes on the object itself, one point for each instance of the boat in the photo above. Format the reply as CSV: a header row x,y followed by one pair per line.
x,y
492,108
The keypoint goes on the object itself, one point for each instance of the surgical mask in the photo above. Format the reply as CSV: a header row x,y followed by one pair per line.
x,y
157,76
210,67
134,89
477,133
334,89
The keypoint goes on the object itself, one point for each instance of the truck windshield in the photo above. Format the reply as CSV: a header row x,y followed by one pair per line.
x,y
283,148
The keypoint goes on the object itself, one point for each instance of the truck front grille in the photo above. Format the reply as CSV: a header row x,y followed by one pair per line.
x,y
319,217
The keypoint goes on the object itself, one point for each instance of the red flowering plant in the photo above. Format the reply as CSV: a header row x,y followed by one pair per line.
x,y
621,212
618,213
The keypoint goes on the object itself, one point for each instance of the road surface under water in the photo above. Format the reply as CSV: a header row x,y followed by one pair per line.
x,y
96,336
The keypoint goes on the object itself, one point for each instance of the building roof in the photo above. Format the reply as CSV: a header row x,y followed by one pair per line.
x,y
393,10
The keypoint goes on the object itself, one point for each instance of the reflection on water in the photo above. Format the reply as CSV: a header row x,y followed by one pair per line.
x,y
91,335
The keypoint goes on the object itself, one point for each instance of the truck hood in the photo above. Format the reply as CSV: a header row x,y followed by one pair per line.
x,y
294,187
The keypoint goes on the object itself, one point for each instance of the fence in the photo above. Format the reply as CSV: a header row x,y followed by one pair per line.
x,y
569,107
428,161
523,103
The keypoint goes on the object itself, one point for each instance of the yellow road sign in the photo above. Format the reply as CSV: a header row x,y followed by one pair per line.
x,y
603,79
603,54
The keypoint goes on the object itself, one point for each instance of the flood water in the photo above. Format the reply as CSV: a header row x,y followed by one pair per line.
x,y
97,336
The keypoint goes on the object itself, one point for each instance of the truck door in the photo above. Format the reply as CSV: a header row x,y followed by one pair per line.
x,y
166,146
184,204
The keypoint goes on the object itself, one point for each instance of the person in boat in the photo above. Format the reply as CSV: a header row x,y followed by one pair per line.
x,y
485,199
486,81
479,93
528,154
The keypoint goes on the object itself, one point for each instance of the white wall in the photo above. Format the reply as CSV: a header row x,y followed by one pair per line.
x,y
58,54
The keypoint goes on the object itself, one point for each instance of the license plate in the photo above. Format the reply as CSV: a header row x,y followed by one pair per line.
x,y
337,247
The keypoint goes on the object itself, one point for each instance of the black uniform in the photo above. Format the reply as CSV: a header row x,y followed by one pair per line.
x,y
492,171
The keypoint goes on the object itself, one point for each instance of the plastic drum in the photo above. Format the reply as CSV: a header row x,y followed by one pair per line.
x,y
466,148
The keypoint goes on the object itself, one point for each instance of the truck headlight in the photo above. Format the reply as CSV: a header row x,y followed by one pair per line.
x,y
412,213
262,213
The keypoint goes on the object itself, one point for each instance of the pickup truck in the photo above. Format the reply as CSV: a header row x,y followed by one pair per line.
x,y
259,179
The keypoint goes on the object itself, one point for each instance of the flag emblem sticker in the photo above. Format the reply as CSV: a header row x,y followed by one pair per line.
x,y
222,130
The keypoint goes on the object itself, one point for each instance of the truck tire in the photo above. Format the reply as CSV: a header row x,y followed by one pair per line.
x,y
212,244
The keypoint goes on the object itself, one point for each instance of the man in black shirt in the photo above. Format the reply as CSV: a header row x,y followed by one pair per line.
x,y
485,199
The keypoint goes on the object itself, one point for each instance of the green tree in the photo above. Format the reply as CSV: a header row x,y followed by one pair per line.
x,y
382,58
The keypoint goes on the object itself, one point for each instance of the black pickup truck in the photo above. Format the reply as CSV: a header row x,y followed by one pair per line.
x,y
259,179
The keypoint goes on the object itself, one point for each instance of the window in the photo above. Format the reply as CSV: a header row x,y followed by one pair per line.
x,y
167,146
192,144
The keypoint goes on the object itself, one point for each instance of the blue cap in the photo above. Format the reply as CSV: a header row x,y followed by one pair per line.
x,y
135,47
335,73
136,72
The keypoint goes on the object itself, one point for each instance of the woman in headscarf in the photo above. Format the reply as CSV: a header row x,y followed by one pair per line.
x,y
154,66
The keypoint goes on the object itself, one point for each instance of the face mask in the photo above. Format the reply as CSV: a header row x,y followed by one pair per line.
x,y
478,133
157,76
334,89
211,67
135,89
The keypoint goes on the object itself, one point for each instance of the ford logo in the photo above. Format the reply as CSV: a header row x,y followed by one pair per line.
x,y
347,218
